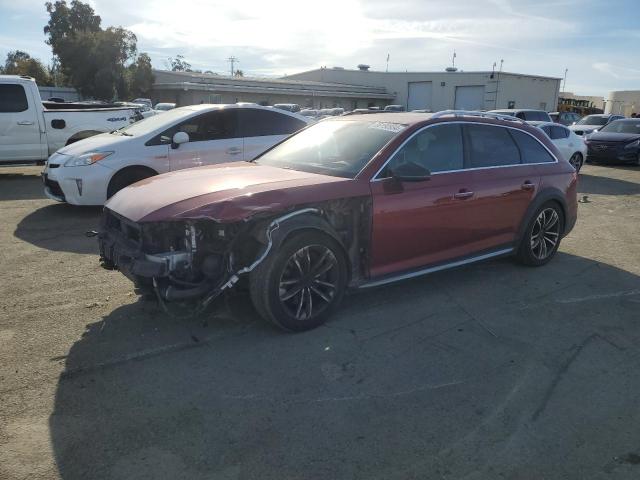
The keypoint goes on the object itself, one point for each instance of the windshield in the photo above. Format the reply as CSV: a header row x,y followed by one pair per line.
x,y
621,126
336,148
593,120
155,122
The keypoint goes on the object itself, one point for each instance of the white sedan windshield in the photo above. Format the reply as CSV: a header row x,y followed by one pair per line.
x,y
156,122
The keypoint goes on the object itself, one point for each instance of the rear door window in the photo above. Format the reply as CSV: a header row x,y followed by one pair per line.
x,y
558,133
13,98
490,146
531,149
259,123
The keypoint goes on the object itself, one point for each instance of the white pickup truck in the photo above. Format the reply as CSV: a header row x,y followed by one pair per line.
x,y
31,130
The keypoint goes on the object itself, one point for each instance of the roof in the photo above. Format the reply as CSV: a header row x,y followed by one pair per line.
x,y
404,118
201,81
443,72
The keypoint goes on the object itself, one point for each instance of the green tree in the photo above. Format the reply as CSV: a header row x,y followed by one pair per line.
x,y
140,76
179,64
21,63
94,60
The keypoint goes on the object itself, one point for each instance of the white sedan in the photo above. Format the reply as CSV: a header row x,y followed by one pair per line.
x,y
90,171
572,146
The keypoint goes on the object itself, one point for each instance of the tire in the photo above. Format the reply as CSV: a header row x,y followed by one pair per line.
x,y
531,252
284,293
576,161
126,177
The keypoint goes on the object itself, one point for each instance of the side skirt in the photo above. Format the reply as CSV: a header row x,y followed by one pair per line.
x,y
436,268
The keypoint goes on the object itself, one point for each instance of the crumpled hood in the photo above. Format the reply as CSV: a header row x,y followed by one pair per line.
x,y
225,192
102,142
613,137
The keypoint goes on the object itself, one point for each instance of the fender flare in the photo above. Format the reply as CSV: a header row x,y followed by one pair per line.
x,y
544,196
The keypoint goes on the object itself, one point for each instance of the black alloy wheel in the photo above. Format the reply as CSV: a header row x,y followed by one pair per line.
x,y
299,285
542,236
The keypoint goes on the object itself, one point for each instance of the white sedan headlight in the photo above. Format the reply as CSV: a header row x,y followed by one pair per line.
x,y
86,159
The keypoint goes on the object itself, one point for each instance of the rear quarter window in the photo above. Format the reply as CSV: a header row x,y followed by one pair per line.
x,y
531,150
13,99
491,146
260,123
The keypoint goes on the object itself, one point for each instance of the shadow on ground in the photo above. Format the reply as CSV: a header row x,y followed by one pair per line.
x,y
592,184
61,227
491,371
20,186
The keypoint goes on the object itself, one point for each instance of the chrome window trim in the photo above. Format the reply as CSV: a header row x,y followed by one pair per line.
x,y
376,179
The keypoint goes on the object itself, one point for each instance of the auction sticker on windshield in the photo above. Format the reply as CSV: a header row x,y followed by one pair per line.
x,y
389,127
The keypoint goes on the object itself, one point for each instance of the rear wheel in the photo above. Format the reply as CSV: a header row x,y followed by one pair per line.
x,y
301,284
126,177
576,161
542,236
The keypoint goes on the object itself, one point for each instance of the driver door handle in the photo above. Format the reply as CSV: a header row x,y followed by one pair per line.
x,y
234,150
463,194
25,122
527,185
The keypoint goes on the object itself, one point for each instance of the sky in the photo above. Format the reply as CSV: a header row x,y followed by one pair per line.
x,y
597,41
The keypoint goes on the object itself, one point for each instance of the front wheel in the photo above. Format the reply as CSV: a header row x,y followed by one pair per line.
x,y
298,286
542,236
576,161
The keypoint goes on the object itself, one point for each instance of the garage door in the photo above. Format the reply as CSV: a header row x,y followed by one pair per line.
x,y
470,97
419,96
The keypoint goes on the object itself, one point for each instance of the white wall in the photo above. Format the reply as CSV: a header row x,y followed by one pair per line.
x,y
623,102
525,90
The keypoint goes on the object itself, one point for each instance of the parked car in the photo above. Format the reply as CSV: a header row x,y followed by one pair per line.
x,y
526,114
89,172
592,123
353,201
163,107
616,142
572,147
31,130
142,108
565,118
143,101
394,108
289,107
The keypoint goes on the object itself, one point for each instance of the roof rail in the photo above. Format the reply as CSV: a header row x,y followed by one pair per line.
x,y
473,113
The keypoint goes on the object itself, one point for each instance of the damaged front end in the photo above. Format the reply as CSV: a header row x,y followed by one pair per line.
x,y
187,260
195,260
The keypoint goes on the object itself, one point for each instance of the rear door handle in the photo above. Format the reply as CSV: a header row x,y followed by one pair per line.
x,y
527,185
25,122
463,194
234,150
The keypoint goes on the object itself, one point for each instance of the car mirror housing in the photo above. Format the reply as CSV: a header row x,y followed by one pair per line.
x,y
179,138
411,172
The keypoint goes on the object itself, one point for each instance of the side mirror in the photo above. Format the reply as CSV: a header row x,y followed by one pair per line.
x,y
179,138
411,172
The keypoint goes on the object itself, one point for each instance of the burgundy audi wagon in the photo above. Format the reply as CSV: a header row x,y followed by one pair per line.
x,y
350,202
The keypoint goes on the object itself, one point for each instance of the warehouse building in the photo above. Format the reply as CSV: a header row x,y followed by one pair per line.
x,y
623,102
362,88
186,88
449,89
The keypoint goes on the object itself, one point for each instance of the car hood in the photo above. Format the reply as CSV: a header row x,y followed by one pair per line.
x,y
227,192
589,128
102,142
613,137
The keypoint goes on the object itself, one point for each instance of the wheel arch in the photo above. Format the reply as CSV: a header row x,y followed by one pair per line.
x,y
82,135
544,196
129,169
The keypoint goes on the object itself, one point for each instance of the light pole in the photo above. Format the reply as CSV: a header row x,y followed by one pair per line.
x,y
564,82
498,84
